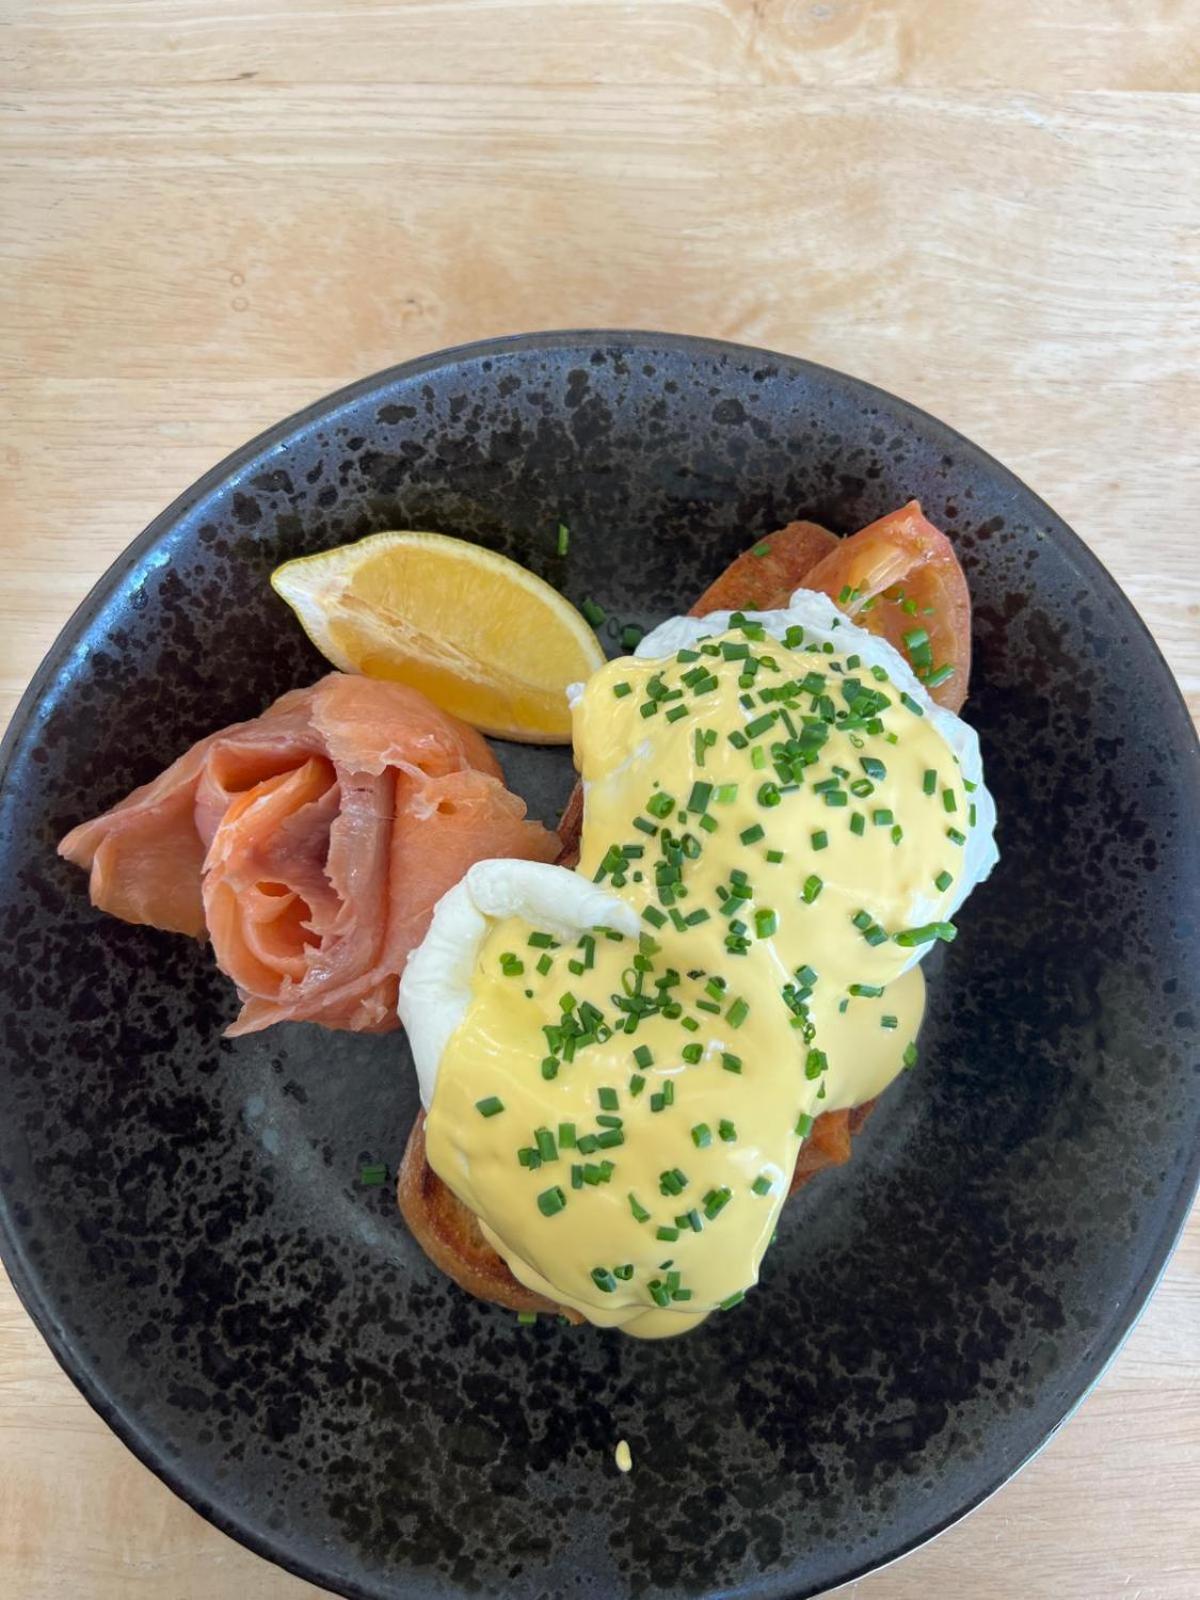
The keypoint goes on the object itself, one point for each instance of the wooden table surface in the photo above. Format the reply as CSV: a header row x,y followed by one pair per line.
x,y
212,213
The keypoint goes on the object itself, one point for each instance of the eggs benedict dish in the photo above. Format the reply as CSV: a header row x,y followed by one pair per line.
x,y
621,1062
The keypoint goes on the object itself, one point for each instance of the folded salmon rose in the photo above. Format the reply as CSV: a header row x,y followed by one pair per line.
x,y
311,845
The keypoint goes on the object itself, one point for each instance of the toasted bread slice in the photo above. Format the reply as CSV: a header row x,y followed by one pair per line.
x,y
762,578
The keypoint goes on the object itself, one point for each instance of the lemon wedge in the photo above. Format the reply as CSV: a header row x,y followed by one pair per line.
x,y
477,633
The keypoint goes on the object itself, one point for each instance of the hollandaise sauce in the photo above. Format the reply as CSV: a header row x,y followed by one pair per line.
x,y
623,1113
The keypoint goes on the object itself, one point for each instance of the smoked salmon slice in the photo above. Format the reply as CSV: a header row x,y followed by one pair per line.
x,y
311,845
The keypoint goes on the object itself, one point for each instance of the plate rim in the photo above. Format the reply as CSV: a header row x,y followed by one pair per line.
x,y
228,472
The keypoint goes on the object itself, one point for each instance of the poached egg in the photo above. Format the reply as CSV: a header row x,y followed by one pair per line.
x,y
619,1063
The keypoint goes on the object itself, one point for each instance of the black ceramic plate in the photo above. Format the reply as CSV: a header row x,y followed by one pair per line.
x,y
182,1215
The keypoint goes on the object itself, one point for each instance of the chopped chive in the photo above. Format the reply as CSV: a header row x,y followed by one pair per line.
x,y
604,1280
490,1106
702,1136
763,549
820,839
544,964
751,835
765,923
541,941
858,824
732,1300
926,934
644,1057
804,1124
620,690
653,916
872,767
949,800
546,1146
566,1136
938,676
667,1233
636,1084
943,881
812,888
726,1131
549,1068
631,636
640,1214
889,1021
692,1053
660,805
594,613
526,1319
731,1063
907,701
955,836
910,1055
551,1201
762,1184
372,1175
737,1013
699,797
564,538
674,714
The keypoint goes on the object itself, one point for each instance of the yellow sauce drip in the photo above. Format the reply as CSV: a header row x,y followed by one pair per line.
x,y
706,1146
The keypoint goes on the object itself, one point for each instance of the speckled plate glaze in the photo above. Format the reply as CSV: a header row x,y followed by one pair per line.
x,y
182,1215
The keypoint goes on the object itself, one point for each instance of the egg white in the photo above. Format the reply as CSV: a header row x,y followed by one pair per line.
x,y
435,989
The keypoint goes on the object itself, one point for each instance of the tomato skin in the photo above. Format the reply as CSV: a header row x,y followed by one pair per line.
x,y
772,569
905,552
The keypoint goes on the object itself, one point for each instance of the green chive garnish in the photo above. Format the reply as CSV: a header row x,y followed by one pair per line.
x,y
762,1184
546,1146
926,934
751,835
702,1136
804,1124
820,839
551,1201
730,1062
372,1175
490,1106
594,613
943,881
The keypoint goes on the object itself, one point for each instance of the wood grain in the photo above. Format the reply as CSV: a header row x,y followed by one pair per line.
x,y
212,214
